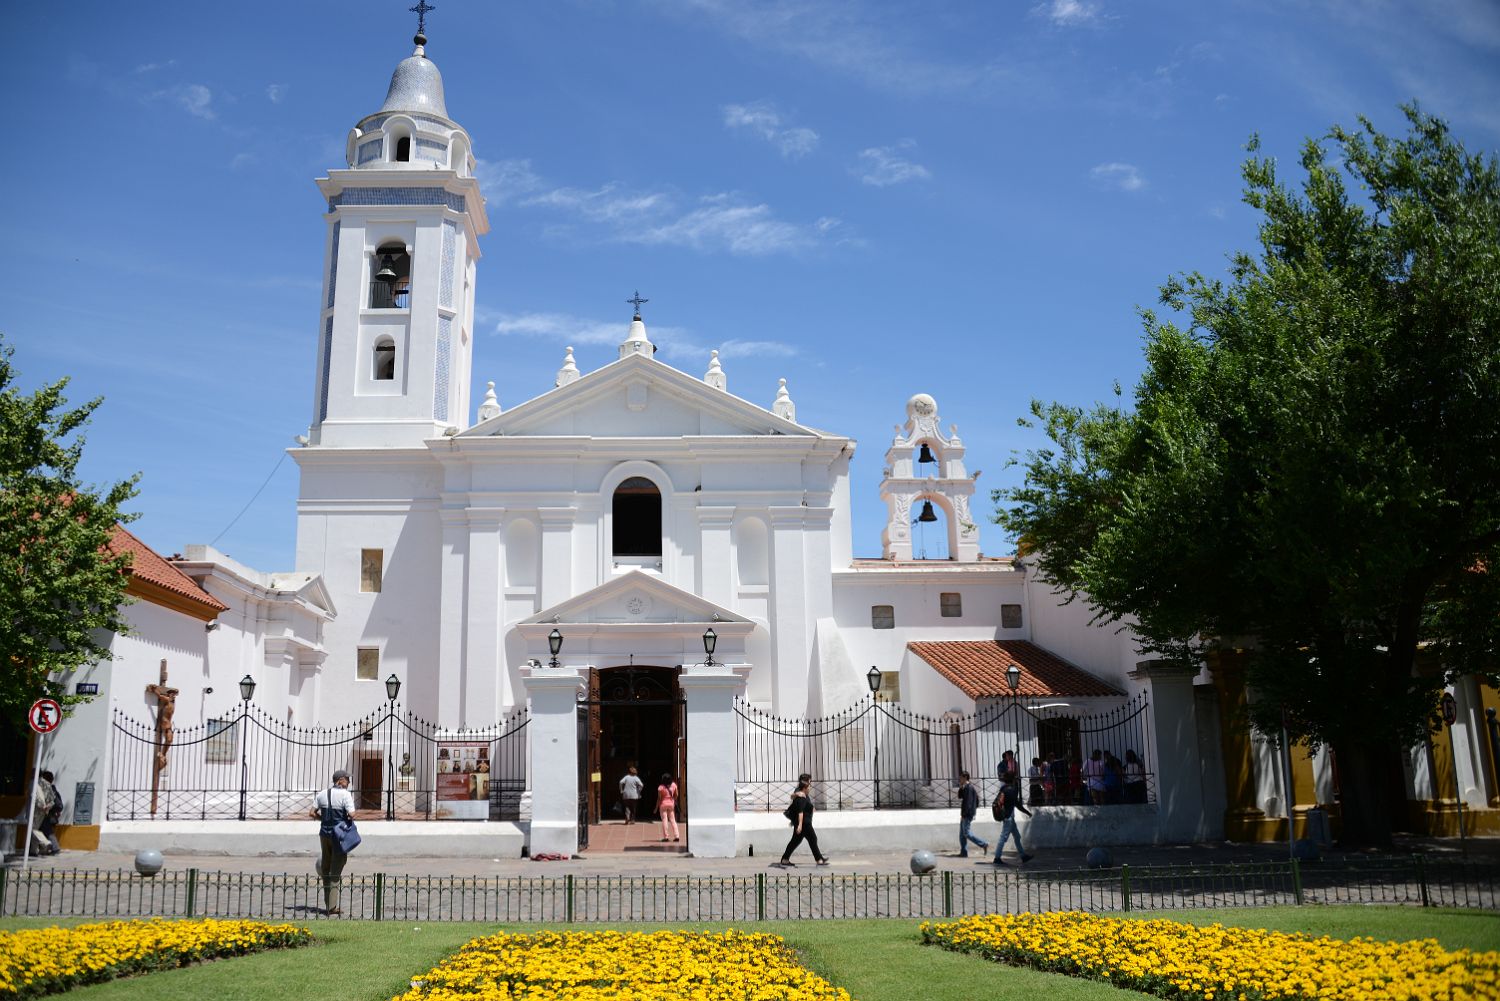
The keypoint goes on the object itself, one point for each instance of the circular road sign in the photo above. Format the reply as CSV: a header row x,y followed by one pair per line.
x,y
1450,709
44,715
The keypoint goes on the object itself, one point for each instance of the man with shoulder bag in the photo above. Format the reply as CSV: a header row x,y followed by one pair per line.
x,y
1007,802
337,836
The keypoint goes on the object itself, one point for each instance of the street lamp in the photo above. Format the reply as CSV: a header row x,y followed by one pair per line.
x,y
1013,679
710,640
873,678
247,692
554,643
392,689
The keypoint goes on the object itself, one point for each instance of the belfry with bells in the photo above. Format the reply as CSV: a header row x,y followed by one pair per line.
x,y
924,469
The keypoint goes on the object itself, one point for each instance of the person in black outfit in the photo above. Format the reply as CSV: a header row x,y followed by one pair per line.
x,y
968,807
800,813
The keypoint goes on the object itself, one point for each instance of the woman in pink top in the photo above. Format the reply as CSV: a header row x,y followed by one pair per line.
x,y
666,807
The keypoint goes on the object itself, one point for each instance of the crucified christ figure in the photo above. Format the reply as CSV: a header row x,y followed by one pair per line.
x,y
166,705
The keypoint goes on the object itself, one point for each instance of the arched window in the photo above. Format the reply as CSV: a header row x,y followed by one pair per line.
x,y
383,362
637,519
403,149
390,277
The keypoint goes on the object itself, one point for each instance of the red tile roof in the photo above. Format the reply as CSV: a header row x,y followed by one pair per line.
x,y
978,667
158,581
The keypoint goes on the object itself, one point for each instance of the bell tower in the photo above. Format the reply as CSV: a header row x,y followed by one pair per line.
x,y
925,467
395,337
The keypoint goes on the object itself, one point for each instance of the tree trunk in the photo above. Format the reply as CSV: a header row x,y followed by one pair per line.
x,y
1364,805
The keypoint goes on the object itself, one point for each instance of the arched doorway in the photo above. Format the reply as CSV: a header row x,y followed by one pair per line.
x,y
632,716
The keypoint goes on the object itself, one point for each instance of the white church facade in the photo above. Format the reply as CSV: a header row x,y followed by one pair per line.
x,y
642,531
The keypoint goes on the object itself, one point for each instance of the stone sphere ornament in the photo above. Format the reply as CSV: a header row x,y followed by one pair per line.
x,y
148,861
922,862
1099,858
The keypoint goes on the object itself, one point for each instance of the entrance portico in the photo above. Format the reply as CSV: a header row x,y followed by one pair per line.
x,y
632,670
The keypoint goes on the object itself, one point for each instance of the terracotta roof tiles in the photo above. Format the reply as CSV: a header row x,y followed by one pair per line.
x,y
156,580
978,668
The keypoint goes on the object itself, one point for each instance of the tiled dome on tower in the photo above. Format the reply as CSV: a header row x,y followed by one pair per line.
x,y
412,129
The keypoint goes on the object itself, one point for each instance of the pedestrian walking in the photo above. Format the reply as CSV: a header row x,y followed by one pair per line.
x,y
43,800
800,813
630,793
1006,804
666,807
968,807
331,807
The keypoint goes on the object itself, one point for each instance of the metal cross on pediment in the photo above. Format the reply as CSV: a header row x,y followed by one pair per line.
x,y
637,302
421,10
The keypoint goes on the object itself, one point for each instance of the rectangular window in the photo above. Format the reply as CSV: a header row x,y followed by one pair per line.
x,y
368,666
952,604
219,747
1010,616
883,616
890,687
371,569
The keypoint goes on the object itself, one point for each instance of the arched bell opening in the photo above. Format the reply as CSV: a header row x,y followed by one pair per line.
x,y
390,277
933,528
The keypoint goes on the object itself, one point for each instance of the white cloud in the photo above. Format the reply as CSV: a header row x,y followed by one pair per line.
x,y
241,160
194,98
723,222
607,204
673,342
504,180
883,166
1123,176
276,92
153,67
762,119
1070,13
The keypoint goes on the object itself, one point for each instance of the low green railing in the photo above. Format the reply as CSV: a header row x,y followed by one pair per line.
x,y
1415,880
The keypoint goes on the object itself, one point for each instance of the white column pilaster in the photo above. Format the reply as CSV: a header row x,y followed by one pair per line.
x,y
791,628
716,566
1174,726
710,696
482,674
556,583
553,732
451,603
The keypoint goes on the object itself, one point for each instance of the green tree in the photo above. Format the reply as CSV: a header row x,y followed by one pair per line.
x,y
1311,464
60,588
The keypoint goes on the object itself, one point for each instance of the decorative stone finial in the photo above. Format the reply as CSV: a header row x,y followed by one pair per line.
x,y
784,407
636,342
491,406
715,376
569,371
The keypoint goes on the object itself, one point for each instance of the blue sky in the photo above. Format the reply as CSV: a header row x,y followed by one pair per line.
x,y
869,199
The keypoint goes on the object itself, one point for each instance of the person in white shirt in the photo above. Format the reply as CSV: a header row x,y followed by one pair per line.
x,y
630,793
331,806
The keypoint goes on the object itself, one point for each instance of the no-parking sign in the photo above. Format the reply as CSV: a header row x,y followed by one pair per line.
x,y
45,715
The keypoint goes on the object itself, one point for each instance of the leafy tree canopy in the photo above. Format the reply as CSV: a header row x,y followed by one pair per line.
x,y
60,588
1310,468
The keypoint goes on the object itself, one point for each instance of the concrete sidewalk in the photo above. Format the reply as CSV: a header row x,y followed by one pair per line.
x,y
647,863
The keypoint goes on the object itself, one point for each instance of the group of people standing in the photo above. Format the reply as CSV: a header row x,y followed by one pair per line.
x,y
667,793
1101,779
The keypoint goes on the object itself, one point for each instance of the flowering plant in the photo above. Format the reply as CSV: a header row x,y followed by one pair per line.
x,y
39,961
623,966
1186,962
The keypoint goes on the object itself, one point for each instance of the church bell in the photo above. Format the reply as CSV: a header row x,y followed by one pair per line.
x,y
927,514
925,456
387,274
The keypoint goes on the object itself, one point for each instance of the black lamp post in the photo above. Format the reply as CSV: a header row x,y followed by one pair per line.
x,y
710,640
1013,679
247,692
392,689
873,678
554,643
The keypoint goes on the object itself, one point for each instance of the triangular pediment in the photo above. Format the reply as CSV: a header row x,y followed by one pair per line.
x,y
637,598
637,397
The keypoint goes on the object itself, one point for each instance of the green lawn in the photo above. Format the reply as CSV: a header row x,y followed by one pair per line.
x,y
875,960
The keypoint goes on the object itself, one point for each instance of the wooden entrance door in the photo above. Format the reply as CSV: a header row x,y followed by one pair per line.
x,y
371,767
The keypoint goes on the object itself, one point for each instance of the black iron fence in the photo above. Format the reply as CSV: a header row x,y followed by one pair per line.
x,y
880,755
251,766
1416,880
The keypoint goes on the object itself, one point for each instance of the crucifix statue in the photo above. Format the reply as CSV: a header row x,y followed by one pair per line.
x,y
166,705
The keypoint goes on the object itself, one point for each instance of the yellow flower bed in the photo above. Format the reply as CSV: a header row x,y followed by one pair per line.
x,y
623,966
48,960
1214,963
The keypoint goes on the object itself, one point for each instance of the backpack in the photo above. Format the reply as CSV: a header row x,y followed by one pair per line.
x,y
997,808
790,813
